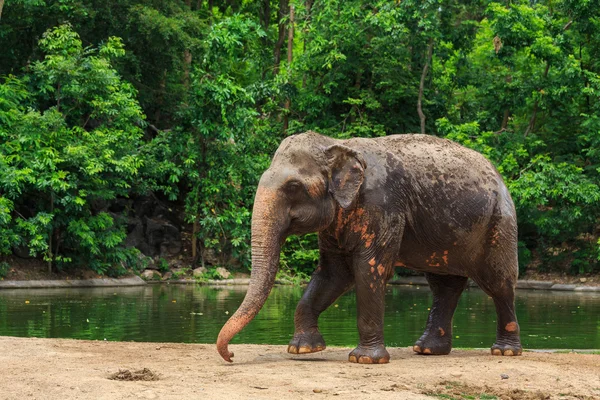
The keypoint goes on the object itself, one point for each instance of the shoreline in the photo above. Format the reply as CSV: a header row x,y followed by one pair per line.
x,y
135,280
68,369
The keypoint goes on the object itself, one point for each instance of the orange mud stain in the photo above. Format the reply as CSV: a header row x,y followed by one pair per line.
x,y
436,261
432,261
368,238
442,331
399,264
356,223
495,236
339,223
372,261
344,179
372,270
445,257
353,219
511,327
316,189
380,269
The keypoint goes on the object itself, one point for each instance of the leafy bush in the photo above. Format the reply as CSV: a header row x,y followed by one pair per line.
x,y
4,268
70,136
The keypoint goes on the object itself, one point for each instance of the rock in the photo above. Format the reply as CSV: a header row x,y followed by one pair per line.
x,y
167,276
151,275
152,227
200,271
503,376
223,273
583,280
210,257
560,286
529,284
587,289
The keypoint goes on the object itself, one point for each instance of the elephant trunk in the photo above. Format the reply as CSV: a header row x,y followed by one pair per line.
x,y
266,245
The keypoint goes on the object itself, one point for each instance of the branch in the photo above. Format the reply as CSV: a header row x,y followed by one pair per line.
x,y
531,125
422,85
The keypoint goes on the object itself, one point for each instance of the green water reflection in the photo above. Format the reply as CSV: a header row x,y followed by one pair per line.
x,y
195,314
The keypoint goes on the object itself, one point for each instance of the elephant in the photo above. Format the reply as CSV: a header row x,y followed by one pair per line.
x,y
407,200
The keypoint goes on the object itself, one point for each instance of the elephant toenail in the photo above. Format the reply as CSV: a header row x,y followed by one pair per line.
x,y
508,353
365,360
352,359
417,349
497,352
304,350
292,349
427,351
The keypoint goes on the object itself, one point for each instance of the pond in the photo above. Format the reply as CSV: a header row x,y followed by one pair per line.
x,y
195,314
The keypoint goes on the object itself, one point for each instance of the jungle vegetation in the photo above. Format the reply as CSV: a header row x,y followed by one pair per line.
x,y
188,100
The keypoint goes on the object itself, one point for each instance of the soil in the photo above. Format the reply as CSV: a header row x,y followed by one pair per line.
x,y
72,369
556,277
32,269
22,269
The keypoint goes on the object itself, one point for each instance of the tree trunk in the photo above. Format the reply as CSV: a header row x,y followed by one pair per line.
x,y
1,7
531,125
308,6
281,14
266,15
50,255
505,119
195,240
187,63
422,85
290,54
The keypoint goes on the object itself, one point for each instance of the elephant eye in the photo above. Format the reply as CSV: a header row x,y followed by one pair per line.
x,y
293,187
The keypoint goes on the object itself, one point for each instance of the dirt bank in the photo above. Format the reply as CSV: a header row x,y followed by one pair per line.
x,y
73,369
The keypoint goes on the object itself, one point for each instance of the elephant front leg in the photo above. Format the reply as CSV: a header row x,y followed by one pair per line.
x,y
370,299
330,281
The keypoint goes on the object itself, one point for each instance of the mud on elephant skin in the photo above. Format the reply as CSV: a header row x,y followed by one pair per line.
x,y
415,201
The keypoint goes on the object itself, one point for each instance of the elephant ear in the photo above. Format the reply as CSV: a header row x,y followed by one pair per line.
x,y
346,173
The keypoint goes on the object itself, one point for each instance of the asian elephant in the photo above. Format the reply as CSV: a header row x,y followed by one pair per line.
x,y
415,201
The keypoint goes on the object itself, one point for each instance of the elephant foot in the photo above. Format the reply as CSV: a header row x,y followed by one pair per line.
x,y
507,349
306,342
433,344
369,355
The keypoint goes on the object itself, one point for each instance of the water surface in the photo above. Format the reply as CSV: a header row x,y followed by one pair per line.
x,y
195,314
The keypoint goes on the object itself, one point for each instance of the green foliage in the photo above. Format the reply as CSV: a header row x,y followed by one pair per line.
x,y
69,138
4,268
189,104
299,258
183,272
163,265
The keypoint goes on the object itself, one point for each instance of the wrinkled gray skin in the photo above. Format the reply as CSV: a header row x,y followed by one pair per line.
x,y
415,201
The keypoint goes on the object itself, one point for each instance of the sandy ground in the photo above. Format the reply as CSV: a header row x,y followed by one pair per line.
x,y
74,369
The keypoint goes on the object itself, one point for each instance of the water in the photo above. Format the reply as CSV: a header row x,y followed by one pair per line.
x,y
195,314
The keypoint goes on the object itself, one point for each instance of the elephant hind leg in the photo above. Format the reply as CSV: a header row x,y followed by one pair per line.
x,y
437,338
331,279
499,281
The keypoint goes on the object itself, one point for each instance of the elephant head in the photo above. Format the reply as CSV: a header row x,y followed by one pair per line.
x,y
309,179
